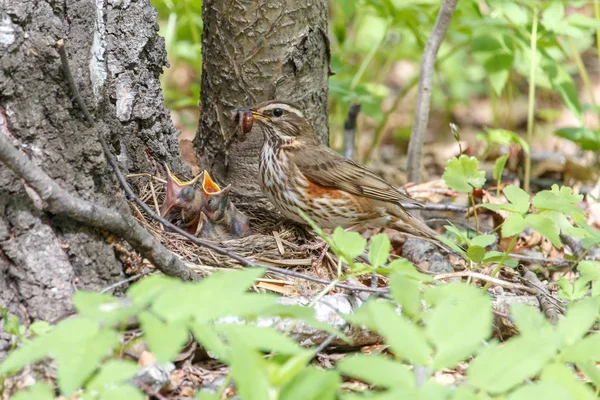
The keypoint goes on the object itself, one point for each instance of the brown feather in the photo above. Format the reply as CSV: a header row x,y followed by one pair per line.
x,y
322,165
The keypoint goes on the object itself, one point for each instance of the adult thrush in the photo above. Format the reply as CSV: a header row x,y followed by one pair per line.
x,y
298,172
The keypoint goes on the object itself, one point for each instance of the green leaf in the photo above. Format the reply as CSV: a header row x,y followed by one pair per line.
x,y
249,371
11,324
589,139
462,174
562,82
123,392
540,390
290,368
165,340
476,253
553,15
586,349
499,369
499,167
505,137
515,13
405,339
513,225
262,338
590,370
528,320
518,201
545,226
38,391
406,268
496,257
207,336
579,319
379,250
406,292
559,374
351,244
562,200
483,240
147,290
376,370
459,322
112,372
103,307
589,270
312,384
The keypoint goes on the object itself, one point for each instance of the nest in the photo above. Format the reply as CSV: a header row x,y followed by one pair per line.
x,y
273,243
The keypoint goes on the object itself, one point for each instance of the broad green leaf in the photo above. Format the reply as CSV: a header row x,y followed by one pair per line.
x,y
40,327
528,320
406,268
483,240
122,392
545,226
559,374
376,370
461,319
312,384
406,292
462,174
497,257
590,370
112,373
499,78
290,368
504,137
589,139
589,270
540,390
562,200
165,340
499,167
515,13
562,82
207,336
552,15
499,369
249,371
103,307
405,338
518,201
476,253
147,290
464,393
262,338
38,391
513,225
379,250
579,319
351,244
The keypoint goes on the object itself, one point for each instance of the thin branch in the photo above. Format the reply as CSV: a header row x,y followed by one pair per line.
x,y
350,130
61,202
199,242
486,278
417,136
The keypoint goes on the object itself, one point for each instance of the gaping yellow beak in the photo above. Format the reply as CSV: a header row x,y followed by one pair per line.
x,y
210,187
173,196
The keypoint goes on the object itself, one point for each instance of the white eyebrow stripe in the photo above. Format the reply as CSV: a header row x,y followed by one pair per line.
x,y
285,107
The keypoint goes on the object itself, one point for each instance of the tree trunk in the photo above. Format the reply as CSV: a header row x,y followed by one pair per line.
x,y
116,58
255,51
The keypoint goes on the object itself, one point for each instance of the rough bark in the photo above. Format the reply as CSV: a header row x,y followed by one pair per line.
x,y
116,58
255,51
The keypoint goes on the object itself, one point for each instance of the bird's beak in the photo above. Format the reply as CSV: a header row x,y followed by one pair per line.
x,y
173,197
209,186
258,116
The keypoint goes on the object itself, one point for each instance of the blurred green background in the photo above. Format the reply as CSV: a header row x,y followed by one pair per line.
x,y
481,77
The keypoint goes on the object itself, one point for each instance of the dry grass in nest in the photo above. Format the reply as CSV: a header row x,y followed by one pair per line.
x,y
273,244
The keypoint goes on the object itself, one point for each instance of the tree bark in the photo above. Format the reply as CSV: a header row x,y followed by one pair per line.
x,y
116,58
255,51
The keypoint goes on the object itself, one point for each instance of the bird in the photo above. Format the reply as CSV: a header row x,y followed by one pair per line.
x,y
297,172
203,208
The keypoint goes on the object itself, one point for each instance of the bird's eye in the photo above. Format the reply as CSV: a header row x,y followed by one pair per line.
x,y
277,112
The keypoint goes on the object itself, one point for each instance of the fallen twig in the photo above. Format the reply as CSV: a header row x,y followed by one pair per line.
x,y
486,278
551,309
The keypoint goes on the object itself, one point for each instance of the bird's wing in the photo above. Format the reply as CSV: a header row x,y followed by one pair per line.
x,y
324,166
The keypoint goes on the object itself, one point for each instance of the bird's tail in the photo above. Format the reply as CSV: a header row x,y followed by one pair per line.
x,y
415,227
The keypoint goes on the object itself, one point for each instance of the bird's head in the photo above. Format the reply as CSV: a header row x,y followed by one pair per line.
x,y
180,195
282,121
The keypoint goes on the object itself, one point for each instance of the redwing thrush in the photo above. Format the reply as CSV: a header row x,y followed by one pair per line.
x,y
298,172
203,207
